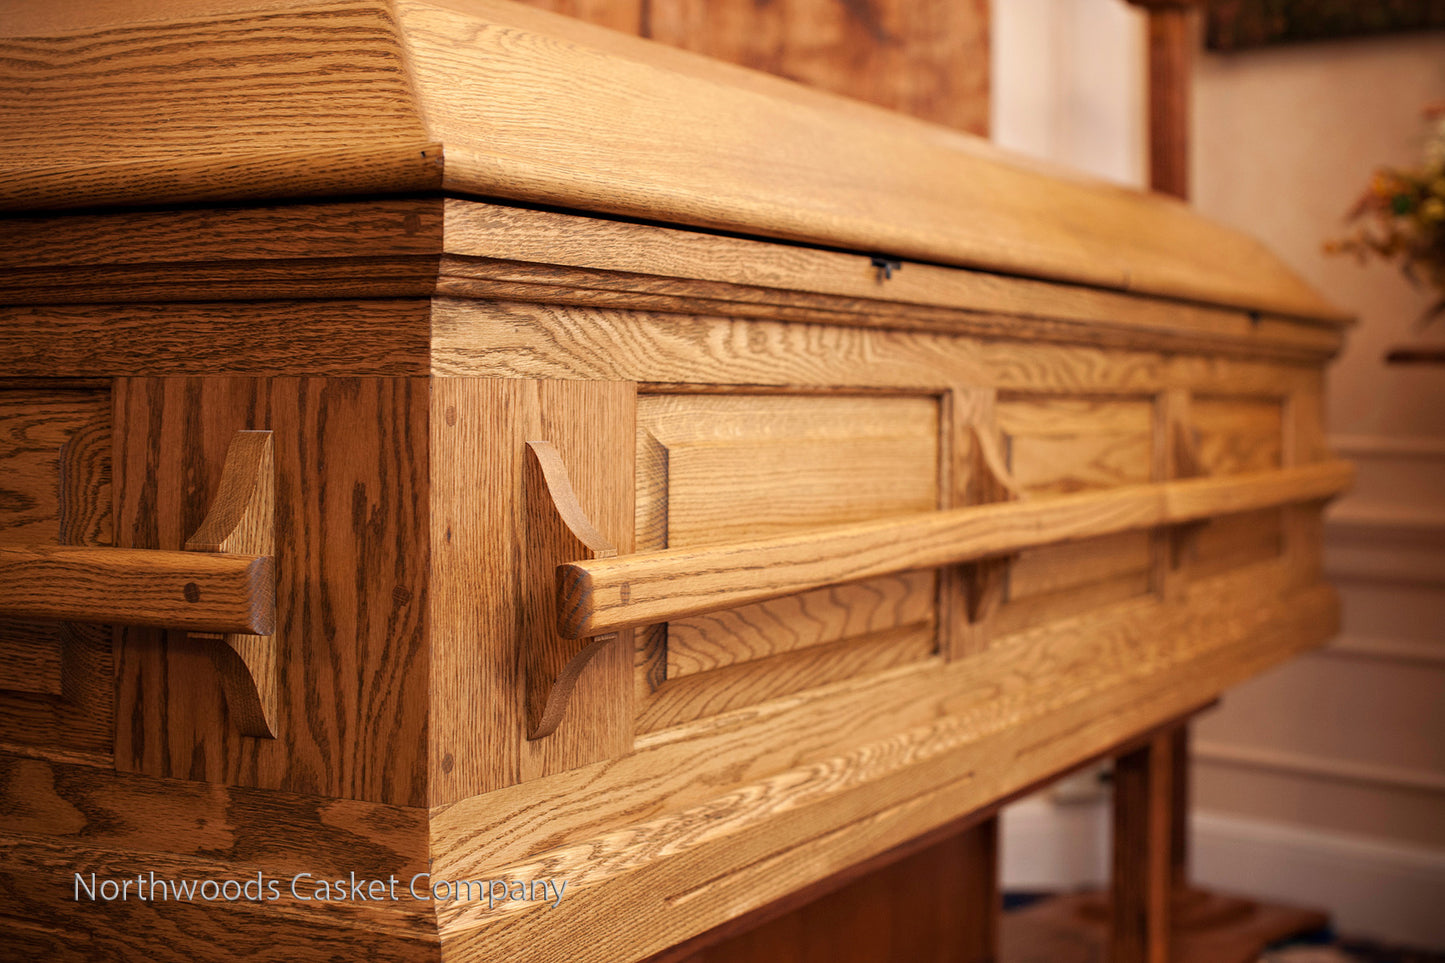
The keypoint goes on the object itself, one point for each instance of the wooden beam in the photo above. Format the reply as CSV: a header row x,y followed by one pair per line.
x,y
598,596
1143,878
200,592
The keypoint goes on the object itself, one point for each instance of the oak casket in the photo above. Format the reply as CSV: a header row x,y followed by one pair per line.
x,y
442,443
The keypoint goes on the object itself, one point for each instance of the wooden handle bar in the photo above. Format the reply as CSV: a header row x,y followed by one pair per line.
x,y
603,595
201,592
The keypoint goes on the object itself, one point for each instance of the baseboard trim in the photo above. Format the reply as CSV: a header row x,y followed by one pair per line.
x,y
1319,767
1372,888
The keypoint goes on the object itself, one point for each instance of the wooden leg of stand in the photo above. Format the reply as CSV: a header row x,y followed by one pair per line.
x,y
1179,818
1144,860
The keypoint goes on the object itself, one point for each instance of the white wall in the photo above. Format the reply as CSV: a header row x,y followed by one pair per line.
x,y
1067,86
1334,765
1324,781
1068,83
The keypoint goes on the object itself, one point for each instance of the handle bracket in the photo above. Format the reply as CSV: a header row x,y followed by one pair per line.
x,y
242,521
986,580
558,531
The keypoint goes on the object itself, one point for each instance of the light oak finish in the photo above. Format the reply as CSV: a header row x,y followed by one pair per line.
x,y
439,73
243,519
556,527
351,663
610,594
264,216
206,593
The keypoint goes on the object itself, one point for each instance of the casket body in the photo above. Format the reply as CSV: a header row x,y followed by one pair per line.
x,y
947,474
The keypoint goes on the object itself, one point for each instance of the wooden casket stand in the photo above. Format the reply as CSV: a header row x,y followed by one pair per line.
x,y
447,445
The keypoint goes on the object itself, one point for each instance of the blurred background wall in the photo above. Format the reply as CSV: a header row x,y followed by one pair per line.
x,y
1324,781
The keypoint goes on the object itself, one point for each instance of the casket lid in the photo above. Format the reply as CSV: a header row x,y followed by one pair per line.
x,y
146,102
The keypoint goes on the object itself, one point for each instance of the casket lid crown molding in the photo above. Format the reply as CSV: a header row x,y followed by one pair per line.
x,y
146,102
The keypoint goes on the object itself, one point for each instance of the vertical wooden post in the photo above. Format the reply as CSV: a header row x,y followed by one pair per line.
x,y
1151,802
1144,861
1170,62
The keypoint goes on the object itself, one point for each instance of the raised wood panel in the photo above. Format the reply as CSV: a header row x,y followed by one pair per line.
x,y
757,631
351,540
1237,434
743,466
479,431
716,468
35,423
55,692
743,684
1059,444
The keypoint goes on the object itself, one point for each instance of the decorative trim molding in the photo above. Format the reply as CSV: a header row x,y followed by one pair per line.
x,y
1387,446
1385,649
1321,767
1372,888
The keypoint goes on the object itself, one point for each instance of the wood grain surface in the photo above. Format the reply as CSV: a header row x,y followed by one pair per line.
x,y
55,446
514,252
624,592
509,339
60,819
199,592
351,520
338,97
242,518
479,590
772,833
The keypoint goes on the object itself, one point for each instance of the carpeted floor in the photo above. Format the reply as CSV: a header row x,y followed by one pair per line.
x,y
1326,948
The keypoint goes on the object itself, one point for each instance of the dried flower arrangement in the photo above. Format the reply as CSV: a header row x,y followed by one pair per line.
x,y
1401,217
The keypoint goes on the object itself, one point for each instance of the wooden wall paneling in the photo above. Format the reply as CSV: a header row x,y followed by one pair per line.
x,y
351,531
55,447
925,59
479,430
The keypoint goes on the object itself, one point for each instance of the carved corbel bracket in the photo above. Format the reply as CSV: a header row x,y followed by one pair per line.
x,y
242,521
557,531
985,580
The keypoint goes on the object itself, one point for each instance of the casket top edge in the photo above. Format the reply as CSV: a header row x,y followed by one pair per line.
x,y
145,102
